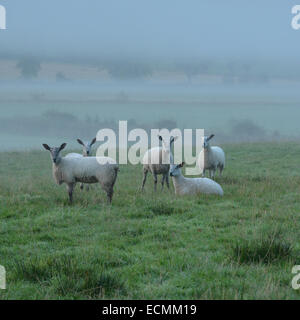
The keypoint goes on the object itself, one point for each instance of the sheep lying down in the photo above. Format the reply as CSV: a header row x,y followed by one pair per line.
x,y
193,186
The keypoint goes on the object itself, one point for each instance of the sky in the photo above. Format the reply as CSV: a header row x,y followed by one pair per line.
x,y
151,28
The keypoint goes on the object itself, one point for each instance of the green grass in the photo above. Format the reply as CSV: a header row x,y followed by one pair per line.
x,y
153,246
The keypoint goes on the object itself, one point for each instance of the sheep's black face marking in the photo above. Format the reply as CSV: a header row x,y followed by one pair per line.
x,y
206,141
54,152
87,147
175,169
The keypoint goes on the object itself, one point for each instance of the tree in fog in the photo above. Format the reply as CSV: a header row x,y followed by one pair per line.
x,y
29,67
192,69
128,70
189,69
60,77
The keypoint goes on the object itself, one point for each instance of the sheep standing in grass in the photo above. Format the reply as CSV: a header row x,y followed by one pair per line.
x,y
87,147
211,158
86,152
71,170
192,186
157,161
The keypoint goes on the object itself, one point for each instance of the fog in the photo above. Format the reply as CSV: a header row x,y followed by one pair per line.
x,y
70,68
170,28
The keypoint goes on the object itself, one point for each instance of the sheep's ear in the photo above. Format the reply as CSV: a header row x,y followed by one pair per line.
x,y
173,139
80,142
210,137
46,146
62,146
93,141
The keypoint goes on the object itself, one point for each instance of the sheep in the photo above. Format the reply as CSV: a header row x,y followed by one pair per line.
x,y
71,170
192,186
157,161
87,147
86,152
211,158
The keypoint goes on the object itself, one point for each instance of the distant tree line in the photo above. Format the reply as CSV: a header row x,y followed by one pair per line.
x,y
65,125
62,124
231,71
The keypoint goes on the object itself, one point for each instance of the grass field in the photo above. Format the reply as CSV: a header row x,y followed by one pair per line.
x,y
153,246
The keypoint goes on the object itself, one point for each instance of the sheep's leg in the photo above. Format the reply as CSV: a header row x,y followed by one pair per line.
x,y
110,193
163,181
203,173
167,181
70,192
213,173
87,188
81,186
144,179
109,189
155,181
221,170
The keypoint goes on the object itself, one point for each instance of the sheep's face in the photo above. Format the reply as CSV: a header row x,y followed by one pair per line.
x,y
87,147
206,141
55,152
167,146
87,150
175,169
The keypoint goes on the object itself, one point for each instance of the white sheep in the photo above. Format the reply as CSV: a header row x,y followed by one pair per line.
x,y
157,161
86,152
87,147
71,170
211,158
192,186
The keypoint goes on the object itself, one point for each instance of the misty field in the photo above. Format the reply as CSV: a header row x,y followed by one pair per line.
x,y
153,246
33,114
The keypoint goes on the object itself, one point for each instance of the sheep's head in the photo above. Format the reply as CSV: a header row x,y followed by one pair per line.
x,y
206,141
167,147
87,147
175,169
55,152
